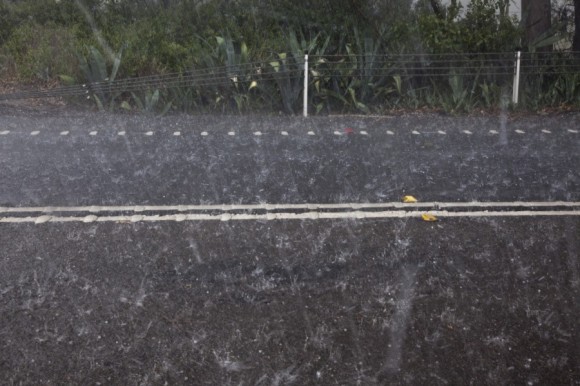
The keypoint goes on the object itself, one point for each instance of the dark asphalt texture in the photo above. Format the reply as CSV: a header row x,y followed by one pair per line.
x,y
481,301
162,169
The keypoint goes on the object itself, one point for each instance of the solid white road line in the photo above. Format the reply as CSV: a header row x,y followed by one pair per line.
x,y
270,207
284,216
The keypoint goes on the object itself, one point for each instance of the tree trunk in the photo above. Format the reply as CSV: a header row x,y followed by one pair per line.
x,y
537,17
576,41
436,6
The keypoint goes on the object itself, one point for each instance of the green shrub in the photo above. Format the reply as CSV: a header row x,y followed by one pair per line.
x,y
42,52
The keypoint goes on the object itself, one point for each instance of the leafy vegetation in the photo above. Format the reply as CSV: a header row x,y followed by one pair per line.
x,y
247,55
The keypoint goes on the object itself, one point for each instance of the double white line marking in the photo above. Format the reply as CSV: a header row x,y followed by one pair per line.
x,y
148,213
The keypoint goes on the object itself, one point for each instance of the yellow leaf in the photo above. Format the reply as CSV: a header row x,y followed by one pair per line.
x,y
253,84
409,199
428,217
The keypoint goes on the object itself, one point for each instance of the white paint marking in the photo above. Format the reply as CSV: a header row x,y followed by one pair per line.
x,y
337,133
289,216
389,132
311,133
493,132
4,132
42,219
204,133
35,133
228,207
415,132
284,133
467,132
520,131
176,133
546,131
364,132
64,132
93,133
271,207
572,131
258,133
231,133
121,133
149,133
90,218
441,132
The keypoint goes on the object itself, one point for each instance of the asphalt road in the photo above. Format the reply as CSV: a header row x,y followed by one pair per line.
x,y
468,300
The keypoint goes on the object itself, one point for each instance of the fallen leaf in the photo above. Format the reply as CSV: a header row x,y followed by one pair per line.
x,y
428,217
409,199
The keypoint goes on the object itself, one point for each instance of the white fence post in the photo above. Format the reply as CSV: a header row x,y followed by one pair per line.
x,y
516,92
305,85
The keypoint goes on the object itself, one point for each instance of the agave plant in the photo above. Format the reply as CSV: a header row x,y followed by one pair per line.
x,y
99,80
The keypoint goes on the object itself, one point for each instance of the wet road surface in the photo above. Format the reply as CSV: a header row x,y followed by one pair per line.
x,y
274,300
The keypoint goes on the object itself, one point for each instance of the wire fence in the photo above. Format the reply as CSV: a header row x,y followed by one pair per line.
x,y
356,81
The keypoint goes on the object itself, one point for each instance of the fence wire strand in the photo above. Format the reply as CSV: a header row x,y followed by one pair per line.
x,y
367,67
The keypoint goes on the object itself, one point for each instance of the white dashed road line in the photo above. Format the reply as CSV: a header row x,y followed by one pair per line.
x,y
4,132
310,133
